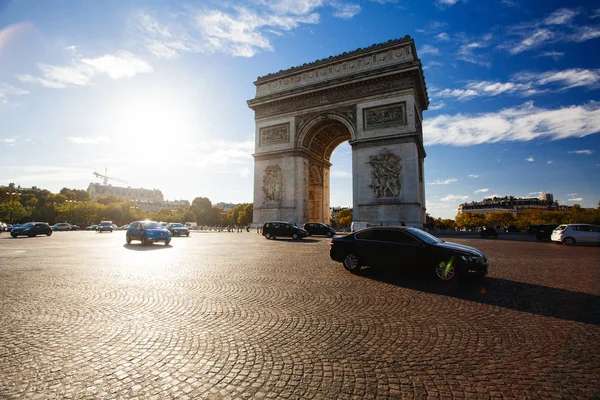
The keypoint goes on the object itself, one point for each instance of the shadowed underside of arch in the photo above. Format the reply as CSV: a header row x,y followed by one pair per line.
x,y
324,138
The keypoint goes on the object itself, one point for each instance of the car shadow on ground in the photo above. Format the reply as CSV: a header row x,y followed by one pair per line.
x,y
520,296
140,247
290,240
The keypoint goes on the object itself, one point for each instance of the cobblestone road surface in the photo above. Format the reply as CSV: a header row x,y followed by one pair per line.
x,y
234,316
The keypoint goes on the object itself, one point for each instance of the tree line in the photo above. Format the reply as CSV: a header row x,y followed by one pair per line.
x,y
75,206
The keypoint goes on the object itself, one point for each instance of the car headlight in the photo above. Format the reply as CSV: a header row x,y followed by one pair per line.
x,y
473,259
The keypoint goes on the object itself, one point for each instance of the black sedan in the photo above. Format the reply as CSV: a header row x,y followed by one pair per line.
x,y
316,228
407,247
31,229
178,229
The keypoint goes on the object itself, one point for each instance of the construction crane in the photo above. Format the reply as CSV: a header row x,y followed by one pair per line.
x,y
105,177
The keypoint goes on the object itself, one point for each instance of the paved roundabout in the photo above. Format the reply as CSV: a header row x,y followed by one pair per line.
x,y
234,316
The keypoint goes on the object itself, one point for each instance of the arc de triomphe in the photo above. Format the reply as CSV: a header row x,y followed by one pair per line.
x,y
373,98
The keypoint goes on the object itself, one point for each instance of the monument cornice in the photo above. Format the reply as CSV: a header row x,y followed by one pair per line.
x,y
339,94
272,155
410,137
360,52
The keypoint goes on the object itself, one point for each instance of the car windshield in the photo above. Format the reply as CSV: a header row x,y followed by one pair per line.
x,y
28,225
176,225
151,225
425,236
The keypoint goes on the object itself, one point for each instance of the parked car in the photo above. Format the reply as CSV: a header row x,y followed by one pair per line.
x,y
91,228
62,226
571,234
317,228
511,228
75,227
147,232
275,229
105,226
488,231
178,229
123,227
31,229
407,247
544,232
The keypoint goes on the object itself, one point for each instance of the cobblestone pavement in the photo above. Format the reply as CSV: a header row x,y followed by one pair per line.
x,y
234,316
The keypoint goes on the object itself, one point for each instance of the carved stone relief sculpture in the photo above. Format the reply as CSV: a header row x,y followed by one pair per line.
x,y
385,174
378,117
275,134
273,184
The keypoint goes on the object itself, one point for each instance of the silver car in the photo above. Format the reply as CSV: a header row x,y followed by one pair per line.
x,y
571,234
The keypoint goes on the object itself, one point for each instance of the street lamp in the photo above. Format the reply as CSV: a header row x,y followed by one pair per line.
x,y
70,208
13,196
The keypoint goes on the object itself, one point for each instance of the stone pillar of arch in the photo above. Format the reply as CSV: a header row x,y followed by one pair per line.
x,y
373,98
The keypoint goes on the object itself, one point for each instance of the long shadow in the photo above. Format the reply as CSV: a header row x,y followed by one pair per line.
x,y
520,296
140,247
290,240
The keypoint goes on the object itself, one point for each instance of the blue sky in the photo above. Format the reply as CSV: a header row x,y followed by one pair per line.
x,y
156,92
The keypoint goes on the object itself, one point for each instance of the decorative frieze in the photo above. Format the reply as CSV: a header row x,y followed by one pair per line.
x,y
335,95
349,66
382,117
347,112
275,134
385,174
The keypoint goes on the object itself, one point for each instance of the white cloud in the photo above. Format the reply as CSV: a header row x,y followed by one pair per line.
x,y
454,197
473,176
437,106
558,26
466,52
518,124
484,190
526,84
560,17
224,156
431,64
7,90
236,30
123,64
586,152
120,65
87,140
576,199
345,11
427,49
444,182
571,194
554,54
443,36
530,159
445,3
9,141
550,162
534,193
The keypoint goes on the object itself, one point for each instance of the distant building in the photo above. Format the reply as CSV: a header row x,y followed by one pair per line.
x,y
226,206
147,200
513,205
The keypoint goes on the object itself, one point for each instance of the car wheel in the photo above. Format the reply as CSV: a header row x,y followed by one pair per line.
x,y
295,236
569,241
128,239
351,263
187,234
329,234
14,236
446,271
167,242
145,241
268,235
49,233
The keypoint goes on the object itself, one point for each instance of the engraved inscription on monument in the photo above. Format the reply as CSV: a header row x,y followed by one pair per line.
x,y
385,174
273,184
381,117
275,134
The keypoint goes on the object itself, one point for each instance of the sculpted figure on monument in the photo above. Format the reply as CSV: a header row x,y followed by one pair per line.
x,y
385,174
273,184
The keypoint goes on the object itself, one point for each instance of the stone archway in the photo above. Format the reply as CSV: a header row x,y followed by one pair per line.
x,y
371,97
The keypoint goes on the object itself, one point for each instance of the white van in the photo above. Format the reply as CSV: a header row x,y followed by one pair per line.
x,y
358,225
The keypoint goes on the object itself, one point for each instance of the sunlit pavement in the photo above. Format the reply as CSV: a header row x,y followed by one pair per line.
x,y
234,316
